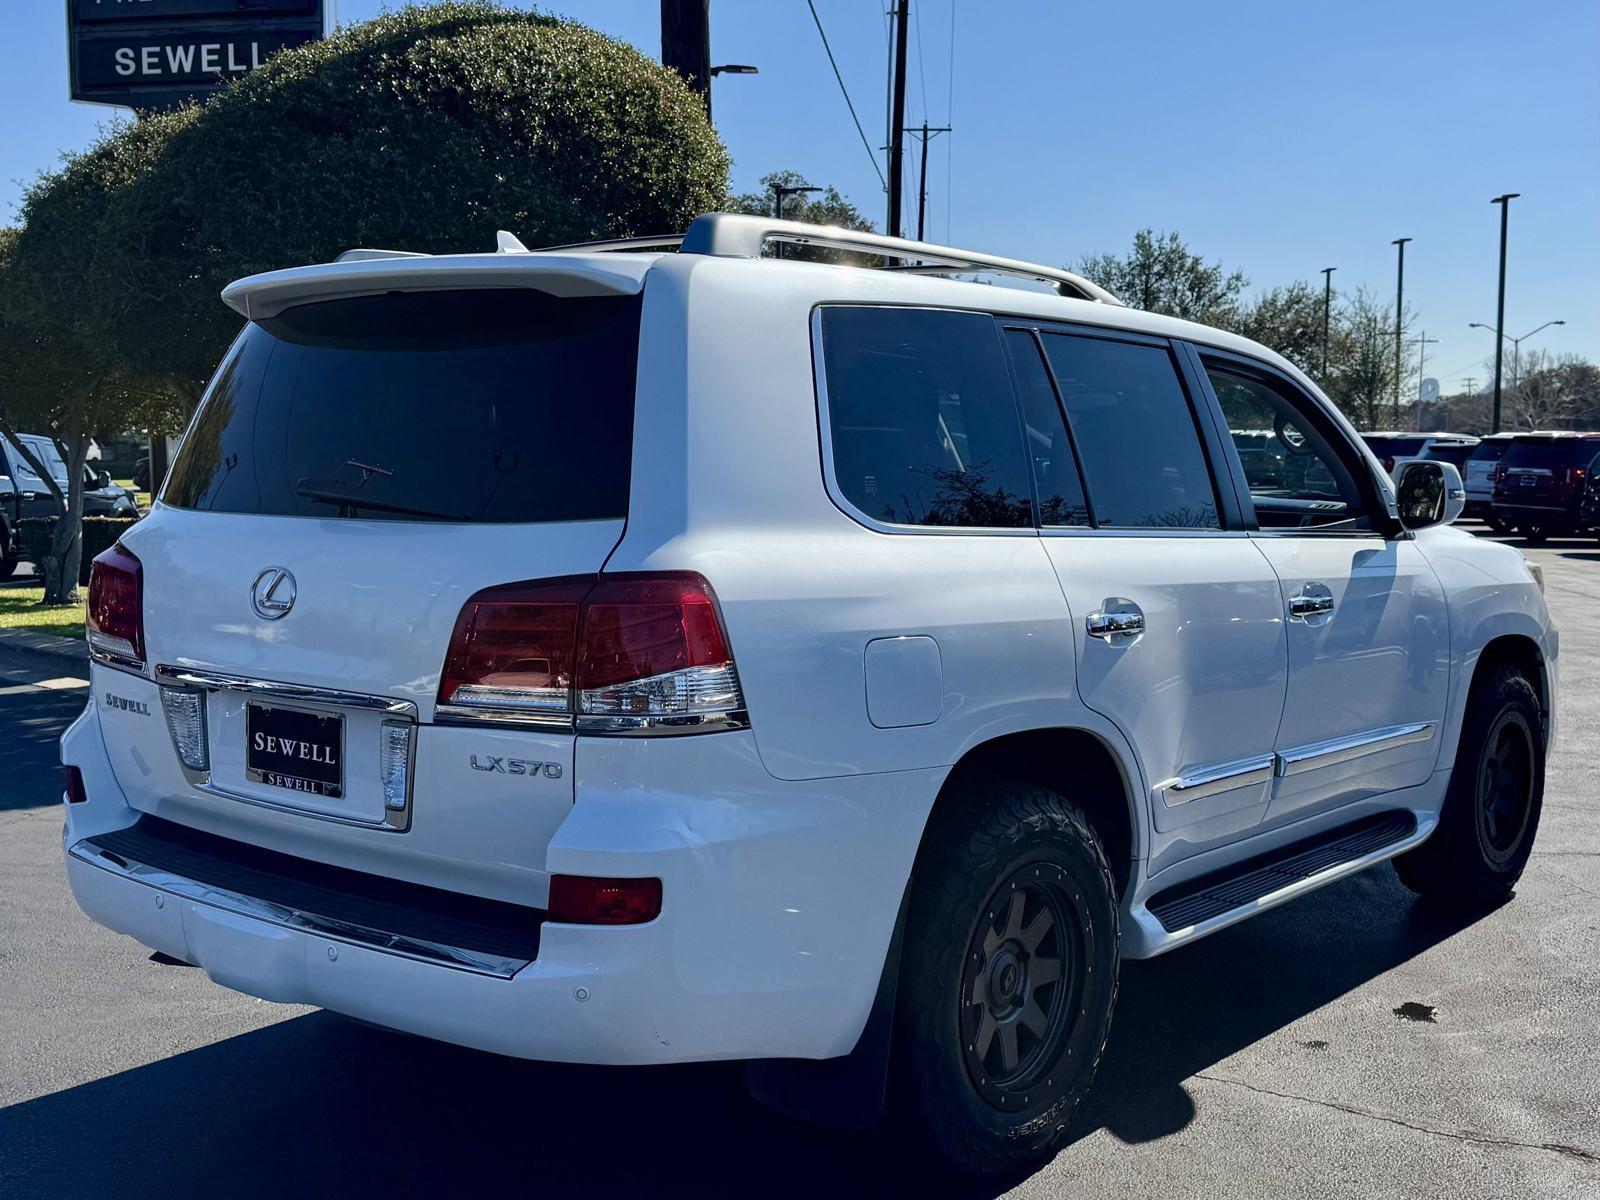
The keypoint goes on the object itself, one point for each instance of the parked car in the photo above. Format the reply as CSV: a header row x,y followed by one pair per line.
x,y
615,655
1539,483
1589,505
24,494
1393,449
1478,475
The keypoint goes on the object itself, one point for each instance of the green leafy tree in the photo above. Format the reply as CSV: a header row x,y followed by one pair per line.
x,y
1287,319
427,129
50,384
1162,275
1554,393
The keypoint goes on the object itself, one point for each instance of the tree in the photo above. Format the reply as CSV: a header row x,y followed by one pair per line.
x,y
1289,320
829,207
1362,367
427,128
49,384
1554,393
1162,275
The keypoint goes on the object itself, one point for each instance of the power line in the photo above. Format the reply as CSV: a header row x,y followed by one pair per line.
x,y
865,145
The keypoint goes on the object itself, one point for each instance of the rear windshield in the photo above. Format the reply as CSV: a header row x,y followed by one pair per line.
x,y
1394,447
1490,449
1552,451
492,406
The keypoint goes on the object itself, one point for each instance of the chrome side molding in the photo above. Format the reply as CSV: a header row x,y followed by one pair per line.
x,y
216,681
291,918
1213,781
1352,746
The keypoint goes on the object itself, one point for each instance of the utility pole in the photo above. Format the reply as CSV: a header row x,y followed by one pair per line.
x,y
1500,307
1399,321
1423,343
926,133
686,44
1327,314
897,119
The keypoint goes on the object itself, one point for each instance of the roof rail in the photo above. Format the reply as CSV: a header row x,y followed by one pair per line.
x,y
661,241
734,235
362,254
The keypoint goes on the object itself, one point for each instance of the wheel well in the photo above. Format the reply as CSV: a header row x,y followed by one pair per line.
x,y
1072,762
1522,653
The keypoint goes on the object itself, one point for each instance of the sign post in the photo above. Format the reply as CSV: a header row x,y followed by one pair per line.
x,y
155,54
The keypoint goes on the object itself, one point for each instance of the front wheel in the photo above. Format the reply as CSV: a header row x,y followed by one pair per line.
x,y
1009,976
1491,810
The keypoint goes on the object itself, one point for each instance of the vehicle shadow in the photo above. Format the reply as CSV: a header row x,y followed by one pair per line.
x,y
30,751
315,1106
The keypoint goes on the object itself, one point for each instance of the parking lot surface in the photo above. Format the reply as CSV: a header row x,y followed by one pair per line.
x,y
1350,1044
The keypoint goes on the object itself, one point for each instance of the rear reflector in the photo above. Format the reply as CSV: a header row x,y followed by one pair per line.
x,y
394,766
75,790
587,900
115,615
631,653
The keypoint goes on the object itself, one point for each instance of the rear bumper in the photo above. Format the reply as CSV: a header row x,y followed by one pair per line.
x,y
779,904
1554,514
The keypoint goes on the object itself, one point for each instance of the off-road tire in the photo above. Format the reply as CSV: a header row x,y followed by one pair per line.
x,y
988,835
1471,861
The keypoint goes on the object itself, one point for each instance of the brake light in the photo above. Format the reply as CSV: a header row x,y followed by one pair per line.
x,y
587,900
1388,463
628,653
75,792
115,614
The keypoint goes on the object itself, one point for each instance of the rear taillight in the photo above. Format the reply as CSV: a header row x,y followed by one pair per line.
x,y
75,792
588,900
115,616
631,653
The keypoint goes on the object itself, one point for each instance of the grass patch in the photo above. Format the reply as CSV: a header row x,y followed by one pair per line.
x,y
19,609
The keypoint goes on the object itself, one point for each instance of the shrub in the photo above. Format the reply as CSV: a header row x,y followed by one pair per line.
x,y
99,533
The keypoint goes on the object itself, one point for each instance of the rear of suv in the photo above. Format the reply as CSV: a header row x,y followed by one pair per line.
x,y
1540,481
620,656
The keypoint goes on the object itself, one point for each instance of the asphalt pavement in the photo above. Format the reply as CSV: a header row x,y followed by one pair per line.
x,y
1351,1044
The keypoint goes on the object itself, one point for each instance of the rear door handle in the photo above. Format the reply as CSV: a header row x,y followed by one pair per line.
x,y
1116,618
1313,600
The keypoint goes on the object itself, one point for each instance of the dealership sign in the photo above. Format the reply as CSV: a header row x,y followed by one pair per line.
x,y
152,54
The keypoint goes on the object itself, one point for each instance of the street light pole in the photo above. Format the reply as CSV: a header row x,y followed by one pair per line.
x,y
1399,320
1500,307
1327,313
1516,345
779,191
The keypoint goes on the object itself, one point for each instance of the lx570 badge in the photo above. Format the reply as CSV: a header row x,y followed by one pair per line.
x,y
516,766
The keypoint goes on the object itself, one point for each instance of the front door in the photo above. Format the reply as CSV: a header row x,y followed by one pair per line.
x,y
1368,633
1177,621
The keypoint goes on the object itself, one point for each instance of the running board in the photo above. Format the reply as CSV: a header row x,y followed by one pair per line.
x,y
1248,883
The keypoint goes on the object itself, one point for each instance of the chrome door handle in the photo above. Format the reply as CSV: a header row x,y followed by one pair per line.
x,y
1314,600
1127,622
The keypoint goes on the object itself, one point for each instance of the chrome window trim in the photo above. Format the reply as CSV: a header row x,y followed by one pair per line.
x,y
418,949
1316,755
1212,781
216,681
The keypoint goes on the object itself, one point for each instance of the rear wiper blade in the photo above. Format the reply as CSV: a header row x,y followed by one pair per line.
x,y
347,499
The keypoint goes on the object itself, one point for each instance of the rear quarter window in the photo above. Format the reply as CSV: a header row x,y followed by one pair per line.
x,y
478,406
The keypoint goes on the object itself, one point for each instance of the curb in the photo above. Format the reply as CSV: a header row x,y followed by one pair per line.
x,y
44,643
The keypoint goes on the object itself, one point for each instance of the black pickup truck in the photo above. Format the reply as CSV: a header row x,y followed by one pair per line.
x,y
24,494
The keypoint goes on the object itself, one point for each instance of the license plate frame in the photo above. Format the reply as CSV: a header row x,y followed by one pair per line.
x,y
315,775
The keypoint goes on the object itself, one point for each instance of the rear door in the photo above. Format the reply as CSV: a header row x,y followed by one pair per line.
x,y
1176,617
1367,628
358,470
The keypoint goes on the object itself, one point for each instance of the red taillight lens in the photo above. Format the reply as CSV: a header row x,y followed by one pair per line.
x,y
75,790
514,648
586,900
115,616
1388,463
616,653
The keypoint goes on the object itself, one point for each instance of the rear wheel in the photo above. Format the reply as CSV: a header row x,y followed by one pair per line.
x,y
1009,976
1497,524
8,564
1535,531
1491,811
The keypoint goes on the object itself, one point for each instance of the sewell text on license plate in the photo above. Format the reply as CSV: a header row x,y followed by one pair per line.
x,y
295,748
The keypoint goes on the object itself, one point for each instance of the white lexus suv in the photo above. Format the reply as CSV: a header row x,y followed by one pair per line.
x,y
672,650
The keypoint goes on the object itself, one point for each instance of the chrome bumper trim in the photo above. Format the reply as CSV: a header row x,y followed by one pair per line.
x,y
1339,750
303,922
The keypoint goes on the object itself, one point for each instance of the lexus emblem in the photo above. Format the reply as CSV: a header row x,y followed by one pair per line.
x,y
272,594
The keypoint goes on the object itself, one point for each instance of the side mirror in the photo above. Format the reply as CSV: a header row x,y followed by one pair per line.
x,y
102,479
1429,492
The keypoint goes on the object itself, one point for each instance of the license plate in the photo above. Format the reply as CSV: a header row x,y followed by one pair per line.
x,y
1527,481
295,749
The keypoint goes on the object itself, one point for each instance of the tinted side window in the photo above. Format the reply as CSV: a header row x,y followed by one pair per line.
x,y
1135,434
1055,470
922,418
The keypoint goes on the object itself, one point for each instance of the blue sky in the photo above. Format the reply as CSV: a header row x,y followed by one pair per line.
x,y
1280,138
